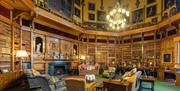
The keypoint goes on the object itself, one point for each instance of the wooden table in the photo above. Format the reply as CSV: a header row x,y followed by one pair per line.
x,y
149,80
116,85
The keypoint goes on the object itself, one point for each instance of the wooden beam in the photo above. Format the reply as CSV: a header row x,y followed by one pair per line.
x,y
6,5
29,4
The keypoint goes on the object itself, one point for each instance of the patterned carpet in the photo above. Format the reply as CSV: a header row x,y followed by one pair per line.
x,y
159,86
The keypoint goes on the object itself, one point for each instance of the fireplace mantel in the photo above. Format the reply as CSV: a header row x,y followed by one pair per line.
x,y
62,60
53,64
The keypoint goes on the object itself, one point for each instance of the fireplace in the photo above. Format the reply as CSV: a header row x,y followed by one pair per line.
x,y
58,68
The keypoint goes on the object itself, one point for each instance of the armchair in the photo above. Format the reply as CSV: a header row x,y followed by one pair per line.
x,y
110,73
32,82
89,69
136,83
79,84
133,77
46,85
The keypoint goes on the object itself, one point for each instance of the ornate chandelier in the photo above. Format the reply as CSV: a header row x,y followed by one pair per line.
x,y
117,17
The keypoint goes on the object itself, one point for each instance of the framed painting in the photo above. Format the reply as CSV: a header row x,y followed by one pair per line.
x,y
168,3
52,48
167,57
91,6
138,15
150,1
66,49
101,16
151,11
77,2
91,16
77,12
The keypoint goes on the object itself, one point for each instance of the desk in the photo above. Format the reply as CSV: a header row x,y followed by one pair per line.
x,y
178,79
116,85
11,79
149,80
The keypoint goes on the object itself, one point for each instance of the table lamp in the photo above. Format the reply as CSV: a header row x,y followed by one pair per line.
x,y
83,58
21,54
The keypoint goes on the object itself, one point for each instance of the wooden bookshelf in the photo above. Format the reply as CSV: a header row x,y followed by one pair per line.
x,y
126,49
118,54
148,55
5,46
102,53
137,54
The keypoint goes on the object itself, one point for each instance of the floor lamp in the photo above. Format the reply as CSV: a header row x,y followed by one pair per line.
x,y
21,54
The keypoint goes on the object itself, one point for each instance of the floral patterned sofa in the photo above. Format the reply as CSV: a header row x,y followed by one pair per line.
x,y
88,69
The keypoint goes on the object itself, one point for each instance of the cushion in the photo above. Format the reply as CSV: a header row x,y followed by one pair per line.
x,y
4,70
54,79
112,69
28,72
35,73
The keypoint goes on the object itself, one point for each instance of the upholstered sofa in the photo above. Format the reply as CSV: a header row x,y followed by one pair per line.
x,y
88,69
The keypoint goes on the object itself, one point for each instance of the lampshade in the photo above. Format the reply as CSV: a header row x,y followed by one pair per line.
x,y
21,53
83,57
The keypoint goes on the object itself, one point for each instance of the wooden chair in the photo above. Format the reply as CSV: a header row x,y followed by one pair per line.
x,y
136,83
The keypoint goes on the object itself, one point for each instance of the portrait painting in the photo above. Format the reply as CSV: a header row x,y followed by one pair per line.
x,y
91,6
91,16
150,1
101,16
138,15
168,3
77,12
167,57
151,11
39,46
77,2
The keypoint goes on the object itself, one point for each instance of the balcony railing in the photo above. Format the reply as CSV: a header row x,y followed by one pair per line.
x,y
64,8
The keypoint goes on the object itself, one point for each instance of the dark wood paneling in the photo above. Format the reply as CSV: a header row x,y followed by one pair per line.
x,y
5,12
54,31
